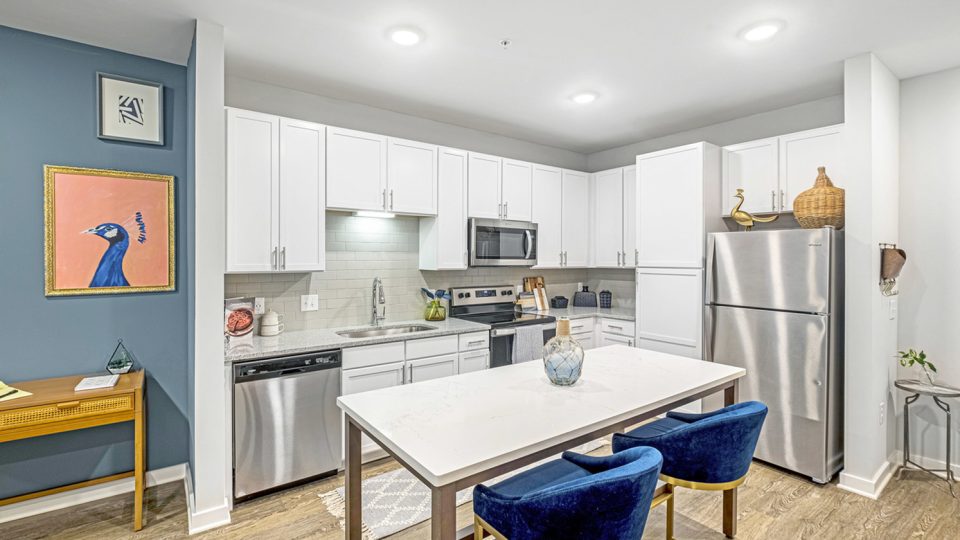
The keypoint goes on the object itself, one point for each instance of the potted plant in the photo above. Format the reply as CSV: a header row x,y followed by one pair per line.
x,y
913,358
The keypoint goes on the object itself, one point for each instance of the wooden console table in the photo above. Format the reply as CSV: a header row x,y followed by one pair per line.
x,y
54,407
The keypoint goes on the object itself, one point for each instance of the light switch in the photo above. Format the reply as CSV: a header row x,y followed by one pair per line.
x,y
309,302
892,311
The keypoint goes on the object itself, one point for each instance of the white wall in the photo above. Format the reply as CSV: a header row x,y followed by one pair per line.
x,y
930,192
871,114
809,115
263,97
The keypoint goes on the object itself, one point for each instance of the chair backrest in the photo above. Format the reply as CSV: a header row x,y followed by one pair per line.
x,y
715,448
611,504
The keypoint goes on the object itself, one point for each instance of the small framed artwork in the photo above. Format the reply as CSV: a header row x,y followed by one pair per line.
x,y
129,109
108,232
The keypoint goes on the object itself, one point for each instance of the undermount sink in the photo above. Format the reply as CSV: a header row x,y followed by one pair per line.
x,y
385,331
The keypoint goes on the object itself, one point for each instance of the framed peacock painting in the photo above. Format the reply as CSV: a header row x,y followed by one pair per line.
x,y
108,232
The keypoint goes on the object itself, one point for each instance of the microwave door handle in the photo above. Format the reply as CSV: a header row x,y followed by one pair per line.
x,y
529,252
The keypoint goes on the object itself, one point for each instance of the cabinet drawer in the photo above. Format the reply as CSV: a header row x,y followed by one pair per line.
x,y
614,326
67,410
372,355
473,361
422,348
474,341
582,326
587,341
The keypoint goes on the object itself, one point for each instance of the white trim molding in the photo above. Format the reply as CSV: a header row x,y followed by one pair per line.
x,y
203,520
74,497
868,487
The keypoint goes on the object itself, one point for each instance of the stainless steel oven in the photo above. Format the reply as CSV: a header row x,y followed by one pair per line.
x,y
495,242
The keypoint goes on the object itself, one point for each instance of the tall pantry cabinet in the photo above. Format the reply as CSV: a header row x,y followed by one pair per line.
x,y
677,195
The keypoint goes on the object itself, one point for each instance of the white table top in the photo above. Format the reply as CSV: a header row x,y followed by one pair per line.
x,y
451,428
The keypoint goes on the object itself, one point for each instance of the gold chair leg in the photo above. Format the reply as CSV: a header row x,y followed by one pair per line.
x,y
477,529
670,504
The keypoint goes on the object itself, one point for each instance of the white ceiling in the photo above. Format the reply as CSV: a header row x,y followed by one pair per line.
x,y
659,66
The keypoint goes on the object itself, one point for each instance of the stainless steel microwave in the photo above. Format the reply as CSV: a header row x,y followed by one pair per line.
x,y
495,242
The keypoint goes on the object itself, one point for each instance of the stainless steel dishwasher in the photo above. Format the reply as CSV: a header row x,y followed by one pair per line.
x,y
286,424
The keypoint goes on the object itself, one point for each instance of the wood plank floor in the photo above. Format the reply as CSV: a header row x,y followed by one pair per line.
x,y
773,504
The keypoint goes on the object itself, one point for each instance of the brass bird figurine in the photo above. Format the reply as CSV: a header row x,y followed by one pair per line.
x,y
742,217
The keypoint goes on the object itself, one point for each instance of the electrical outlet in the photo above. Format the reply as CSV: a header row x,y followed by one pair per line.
x,y
309,302
883,412
259,307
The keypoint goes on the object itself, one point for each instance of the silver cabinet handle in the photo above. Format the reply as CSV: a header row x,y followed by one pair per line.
x,y
566,258
630,342
615,327
636,257
391,199
561,258
506,211
273,259
384,198
773,200
620,258
782,204
409,374
466,262
283,258
478,342
500,210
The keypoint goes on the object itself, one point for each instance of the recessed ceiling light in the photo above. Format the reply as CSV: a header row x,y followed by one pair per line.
x,y
761,31
584,97
406,36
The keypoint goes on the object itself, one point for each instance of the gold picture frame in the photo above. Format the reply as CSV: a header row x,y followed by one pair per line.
x,y
108,206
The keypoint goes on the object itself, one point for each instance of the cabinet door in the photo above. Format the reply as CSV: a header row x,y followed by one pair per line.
x,y
575,226
611,339
670,209
630,251
435,367
587,341
356,170
473,361
253,170
753,167
516,190
670,311
371,378
547,215
411,177
302,196
801,154
483,179
608,215
443,239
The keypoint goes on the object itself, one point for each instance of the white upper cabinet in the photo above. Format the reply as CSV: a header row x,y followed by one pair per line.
x,y
672,187
753,167
443,239
575,227
547,208
630,252
800,155
411,177
356,170
302,194
253,187
516,190
484,186
608,218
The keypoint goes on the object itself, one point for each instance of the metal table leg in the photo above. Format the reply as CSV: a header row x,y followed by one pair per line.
x,y
908,463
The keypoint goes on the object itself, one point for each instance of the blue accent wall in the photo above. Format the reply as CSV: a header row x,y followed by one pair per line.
x,y
48,116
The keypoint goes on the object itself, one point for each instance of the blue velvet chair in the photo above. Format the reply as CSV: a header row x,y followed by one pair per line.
x,y
573,497
710,451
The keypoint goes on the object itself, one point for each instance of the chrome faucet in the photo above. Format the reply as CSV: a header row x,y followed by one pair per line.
x,y
378,298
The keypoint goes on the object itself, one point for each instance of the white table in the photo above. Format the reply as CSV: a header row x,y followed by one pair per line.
x,y
455,432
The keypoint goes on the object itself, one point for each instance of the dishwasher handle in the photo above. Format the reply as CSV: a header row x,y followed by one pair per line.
x,y
284,366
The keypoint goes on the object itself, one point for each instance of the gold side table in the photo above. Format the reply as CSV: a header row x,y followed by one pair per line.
x,y
938,392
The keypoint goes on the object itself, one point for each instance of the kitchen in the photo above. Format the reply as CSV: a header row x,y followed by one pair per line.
x,y
360,235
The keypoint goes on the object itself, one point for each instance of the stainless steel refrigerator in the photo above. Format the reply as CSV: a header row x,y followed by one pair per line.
x,y
774,306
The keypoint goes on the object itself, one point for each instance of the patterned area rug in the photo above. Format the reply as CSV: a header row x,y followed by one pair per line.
x,y
396,500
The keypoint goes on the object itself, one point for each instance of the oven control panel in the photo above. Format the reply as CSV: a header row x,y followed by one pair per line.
x,y
476,296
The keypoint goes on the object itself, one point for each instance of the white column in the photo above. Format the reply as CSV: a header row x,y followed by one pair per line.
x,y
208,501
871,117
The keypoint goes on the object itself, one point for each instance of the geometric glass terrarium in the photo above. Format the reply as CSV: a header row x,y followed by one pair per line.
x,y
121,361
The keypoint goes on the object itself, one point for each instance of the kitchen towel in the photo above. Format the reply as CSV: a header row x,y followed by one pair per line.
x,y
528,343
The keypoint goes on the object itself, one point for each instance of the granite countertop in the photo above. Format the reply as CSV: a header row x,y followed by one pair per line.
x,y
302,341
621,313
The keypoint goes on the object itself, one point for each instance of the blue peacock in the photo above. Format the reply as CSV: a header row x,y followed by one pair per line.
x,y
110,270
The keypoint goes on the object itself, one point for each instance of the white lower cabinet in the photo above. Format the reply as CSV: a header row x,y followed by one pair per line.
x,y
434,367
473,361
670,310
587,341
610,339
363,379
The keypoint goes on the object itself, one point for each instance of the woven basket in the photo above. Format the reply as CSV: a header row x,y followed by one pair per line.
x,y
820,205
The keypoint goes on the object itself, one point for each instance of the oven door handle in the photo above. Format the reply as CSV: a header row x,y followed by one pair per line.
x,y
501,332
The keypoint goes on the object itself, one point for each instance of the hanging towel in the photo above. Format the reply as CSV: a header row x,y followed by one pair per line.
x,y
528,343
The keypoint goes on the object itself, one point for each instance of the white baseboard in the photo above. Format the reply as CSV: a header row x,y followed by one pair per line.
x,y
896,460
74,497
868,487
207,519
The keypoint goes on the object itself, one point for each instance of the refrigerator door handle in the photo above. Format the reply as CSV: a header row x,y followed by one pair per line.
x,y
710,329
709,272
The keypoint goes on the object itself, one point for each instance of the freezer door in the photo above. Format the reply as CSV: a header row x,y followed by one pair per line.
x,y
786,359
786,270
